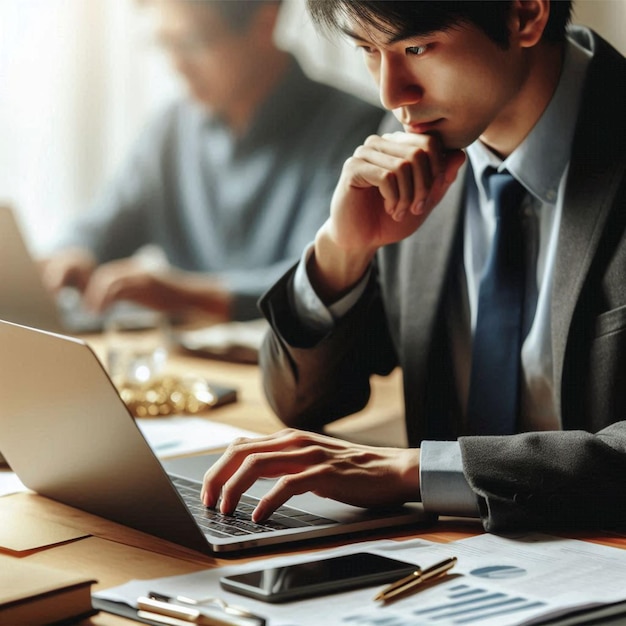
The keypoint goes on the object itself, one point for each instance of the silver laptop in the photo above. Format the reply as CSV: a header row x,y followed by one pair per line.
x,y
67,434
23,297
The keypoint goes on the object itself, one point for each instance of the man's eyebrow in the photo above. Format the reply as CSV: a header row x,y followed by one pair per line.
x,y
398,37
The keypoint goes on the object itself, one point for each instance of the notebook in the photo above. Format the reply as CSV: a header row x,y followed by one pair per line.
x,y
23,297
67,434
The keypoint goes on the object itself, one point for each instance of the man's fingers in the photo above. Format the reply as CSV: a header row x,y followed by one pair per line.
x,y
454,161
408,145
240,449
245,460
402,166
291,485
396,185
268,465
331,468
422,169
224,468
120,280
67,269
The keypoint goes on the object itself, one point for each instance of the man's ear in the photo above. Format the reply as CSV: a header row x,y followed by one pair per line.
x,y
528,21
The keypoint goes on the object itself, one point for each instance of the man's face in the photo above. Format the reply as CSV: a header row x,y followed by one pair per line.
x,y
456,83
213,59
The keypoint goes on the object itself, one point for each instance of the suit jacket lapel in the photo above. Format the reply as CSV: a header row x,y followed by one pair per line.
x,y
591,188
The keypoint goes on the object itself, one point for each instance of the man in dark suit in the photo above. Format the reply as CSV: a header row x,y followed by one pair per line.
x,y
396,275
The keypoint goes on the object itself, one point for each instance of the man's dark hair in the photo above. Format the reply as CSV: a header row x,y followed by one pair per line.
x,y
403,19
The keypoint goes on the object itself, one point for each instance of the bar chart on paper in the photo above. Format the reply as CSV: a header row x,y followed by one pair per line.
x,y
509,581
462,604
496,581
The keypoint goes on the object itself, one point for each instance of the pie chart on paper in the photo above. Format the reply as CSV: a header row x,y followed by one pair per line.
x,y
499,572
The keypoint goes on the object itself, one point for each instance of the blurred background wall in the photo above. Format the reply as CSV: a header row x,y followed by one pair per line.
x,y
79,78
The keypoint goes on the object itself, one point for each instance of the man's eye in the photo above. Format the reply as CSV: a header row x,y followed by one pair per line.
x,y
416,50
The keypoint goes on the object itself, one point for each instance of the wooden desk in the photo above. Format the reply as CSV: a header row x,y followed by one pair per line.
x,y
382,421
114,554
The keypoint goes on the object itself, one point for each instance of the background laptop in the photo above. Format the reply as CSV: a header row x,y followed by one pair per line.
x,y
23,297
67,434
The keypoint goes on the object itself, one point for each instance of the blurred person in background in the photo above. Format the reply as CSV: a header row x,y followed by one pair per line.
x,y
230,181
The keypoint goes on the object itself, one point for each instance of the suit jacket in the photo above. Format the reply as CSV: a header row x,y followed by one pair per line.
x,y
571,478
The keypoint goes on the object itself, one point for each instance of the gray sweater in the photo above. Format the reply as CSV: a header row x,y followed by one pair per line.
x,y
242,208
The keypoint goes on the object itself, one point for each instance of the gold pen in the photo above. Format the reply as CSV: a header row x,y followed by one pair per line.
x,y
416,578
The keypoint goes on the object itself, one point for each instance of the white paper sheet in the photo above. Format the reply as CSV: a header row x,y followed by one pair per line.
x,y
172,436
10,483
237,341
496,582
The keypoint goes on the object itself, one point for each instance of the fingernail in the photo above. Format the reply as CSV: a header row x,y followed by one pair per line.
x,y
399,216
257,514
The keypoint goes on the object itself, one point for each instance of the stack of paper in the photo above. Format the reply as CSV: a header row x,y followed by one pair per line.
x,y
497,581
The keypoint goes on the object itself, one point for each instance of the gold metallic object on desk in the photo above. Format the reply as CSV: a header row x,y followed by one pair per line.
x,y
168,395
413,581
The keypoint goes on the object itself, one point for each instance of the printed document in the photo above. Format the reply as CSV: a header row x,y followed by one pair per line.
x,y
176,435
497,581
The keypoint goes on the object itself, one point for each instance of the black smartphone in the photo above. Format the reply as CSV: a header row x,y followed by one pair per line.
x,y
315,578
223,395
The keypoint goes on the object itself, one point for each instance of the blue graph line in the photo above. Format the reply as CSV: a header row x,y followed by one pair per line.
x,y
466,605
464,594
474,604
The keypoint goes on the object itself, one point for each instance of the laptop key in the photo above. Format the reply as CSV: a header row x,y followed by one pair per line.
x,y
240,522
214,532
282,522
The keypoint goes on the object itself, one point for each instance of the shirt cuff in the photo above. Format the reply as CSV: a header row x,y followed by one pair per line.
x,y
310,310
443,486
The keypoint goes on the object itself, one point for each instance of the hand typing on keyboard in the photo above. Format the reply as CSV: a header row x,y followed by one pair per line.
x,y
239,522
356,474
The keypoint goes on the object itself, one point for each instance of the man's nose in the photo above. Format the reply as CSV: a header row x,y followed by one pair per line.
x,y
398,86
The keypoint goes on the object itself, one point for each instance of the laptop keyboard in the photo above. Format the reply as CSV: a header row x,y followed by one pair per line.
x,y
213,522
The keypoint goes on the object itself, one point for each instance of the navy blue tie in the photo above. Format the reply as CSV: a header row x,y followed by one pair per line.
x,y
493,403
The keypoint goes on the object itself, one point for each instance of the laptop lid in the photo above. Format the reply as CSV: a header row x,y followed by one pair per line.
x,y
23,297
67,434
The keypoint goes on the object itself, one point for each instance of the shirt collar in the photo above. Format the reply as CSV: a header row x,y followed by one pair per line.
x,y
541,176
